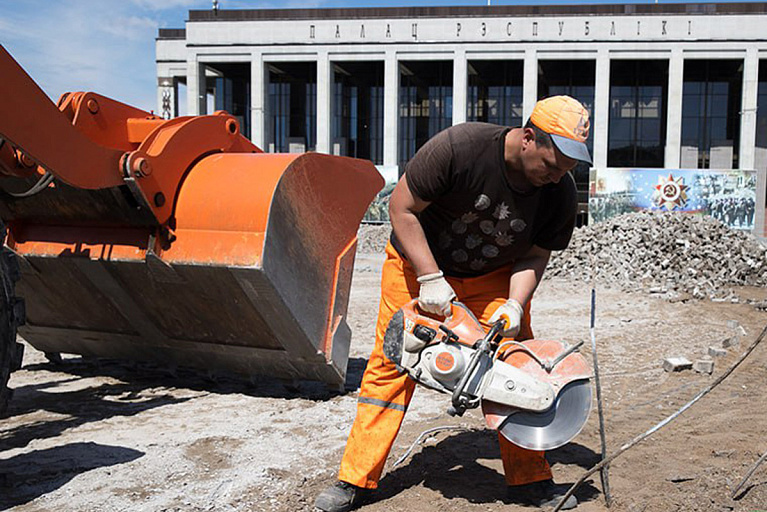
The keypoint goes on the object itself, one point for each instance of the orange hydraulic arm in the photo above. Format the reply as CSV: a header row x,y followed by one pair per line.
x,y
93,142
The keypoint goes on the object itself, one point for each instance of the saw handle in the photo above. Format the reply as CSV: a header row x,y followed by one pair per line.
x,y
484,347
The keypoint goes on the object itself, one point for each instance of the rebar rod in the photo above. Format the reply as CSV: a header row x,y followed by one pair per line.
x,y
748,475
603,472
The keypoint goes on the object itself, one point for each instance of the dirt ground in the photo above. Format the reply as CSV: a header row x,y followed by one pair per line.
x,y
90,435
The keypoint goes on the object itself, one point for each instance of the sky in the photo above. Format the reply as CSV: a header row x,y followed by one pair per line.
x,y
107,46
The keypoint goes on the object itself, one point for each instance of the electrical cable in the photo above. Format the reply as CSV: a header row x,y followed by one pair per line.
x,y
422,435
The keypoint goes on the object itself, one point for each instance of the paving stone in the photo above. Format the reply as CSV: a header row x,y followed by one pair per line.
x,y
717,351
704,366
677,364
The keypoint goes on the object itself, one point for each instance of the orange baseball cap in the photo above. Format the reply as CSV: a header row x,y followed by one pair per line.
x,y
566,120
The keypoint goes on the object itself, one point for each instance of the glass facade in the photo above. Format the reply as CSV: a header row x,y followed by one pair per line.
x,y
495,92
425,104
358,103
232,93
760,160
637,129
711,105
292,104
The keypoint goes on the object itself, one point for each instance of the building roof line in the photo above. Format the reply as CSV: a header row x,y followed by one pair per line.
x,y
475,11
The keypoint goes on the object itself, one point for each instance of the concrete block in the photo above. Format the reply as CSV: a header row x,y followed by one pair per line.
x,y
677,364
717,351
732,341
704,366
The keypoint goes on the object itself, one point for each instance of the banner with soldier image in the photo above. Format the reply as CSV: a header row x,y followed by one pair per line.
x,y
727,195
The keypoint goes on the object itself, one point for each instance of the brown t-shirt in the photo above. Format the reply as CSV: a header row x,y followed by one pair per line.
x,y
476,222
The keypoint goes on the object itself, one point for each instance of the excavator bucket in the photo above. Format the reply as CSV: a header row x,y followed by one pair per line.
x,y
254,277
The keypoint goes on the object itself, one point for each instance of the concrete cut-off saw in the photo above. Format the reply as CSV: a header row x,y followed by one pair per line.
x,y
536,393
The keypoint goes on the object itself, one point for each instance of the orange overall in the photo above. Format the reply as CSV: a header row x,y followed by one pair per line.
x,y
385,393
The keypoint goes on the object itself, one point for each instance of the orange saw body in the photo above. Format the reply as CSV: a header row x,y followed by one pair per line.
x,y
536,393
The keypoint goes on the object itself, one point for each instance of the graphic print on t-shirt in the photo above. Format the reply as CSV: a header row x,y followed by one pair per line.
x,y
496,228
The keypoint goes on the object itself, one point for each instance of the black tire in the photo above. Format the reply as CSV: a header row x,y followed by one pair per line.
x,y
11,316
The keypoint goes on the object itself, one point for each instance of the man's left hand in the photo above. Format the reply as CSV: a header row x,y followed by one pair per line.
x,y
511,312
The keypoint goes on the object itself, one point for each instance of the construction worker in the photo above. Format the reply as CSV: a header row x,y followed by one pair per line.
x,y
474,217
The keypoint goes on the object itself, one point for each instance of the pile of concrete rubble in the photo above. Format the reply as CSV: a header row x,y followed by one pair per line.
x,y
372,238
677,254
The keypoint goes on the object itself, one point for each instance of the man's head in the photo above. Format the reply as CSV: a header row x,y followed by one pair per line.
x,y
554,139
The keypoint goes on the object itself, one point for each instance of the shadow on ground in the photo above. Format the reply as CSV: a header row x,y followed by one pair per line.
x,y
77,407
28,476
139,387
453,467
141,375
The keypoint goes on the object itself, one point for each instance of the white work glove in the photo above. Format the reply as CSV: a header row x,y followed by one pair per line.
x,y
436,294
511,312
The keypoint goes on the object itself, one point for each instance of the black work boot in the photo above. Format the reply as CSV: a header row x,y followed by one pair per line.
x,y
341,497
543,494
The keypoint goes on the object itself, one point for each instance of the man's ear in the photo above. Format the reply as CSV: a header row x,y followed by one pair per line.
x,y
528,136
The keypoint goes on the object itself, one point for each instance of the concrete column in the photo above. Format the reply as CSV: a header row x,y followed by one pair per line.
x,y
391,107
674,103
601,109
195,87
529,84
257,100
746,159
324,88
460,86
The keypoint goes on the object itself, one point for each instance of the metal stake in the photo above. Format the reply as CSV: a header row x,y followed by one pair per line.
x,y
748,475
603,472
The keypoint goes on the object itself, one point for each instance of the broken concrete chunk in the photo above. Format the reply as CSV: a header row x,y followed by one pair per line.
x,y
677,364
717,351
704,366
732,341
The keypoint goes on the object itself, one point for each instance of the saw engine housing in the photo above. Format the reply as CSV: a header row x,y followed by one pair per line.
x,y
459,357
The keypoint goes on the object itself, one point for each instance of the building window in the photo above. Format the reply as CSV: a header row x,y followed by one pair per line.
x,y
637,127
495,92
760,160
711,113
231,92
425,104
292,117
574,78
358,110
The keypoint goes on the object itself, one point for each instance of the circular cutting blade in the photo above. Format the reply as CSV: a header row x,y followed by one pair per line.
x,y
554,427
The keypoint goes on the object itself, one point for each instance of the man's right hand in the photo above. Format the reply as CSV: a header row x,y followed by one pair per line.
x,y
436,294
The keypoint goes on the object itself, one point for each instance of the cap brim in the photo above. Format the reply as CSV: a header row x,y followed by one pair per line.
x,y
572,148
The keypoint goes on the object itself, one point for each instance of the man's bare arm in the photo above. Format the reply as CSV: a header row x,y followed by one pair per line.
x,y
527,273
403,207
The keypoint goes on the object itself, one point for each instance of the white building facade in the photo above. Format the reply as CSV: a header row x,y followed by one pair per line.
x,y
668,85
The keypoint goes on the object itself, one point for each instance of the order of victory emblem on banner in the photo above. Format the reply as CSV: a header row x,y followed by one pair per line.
x,y
670,193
